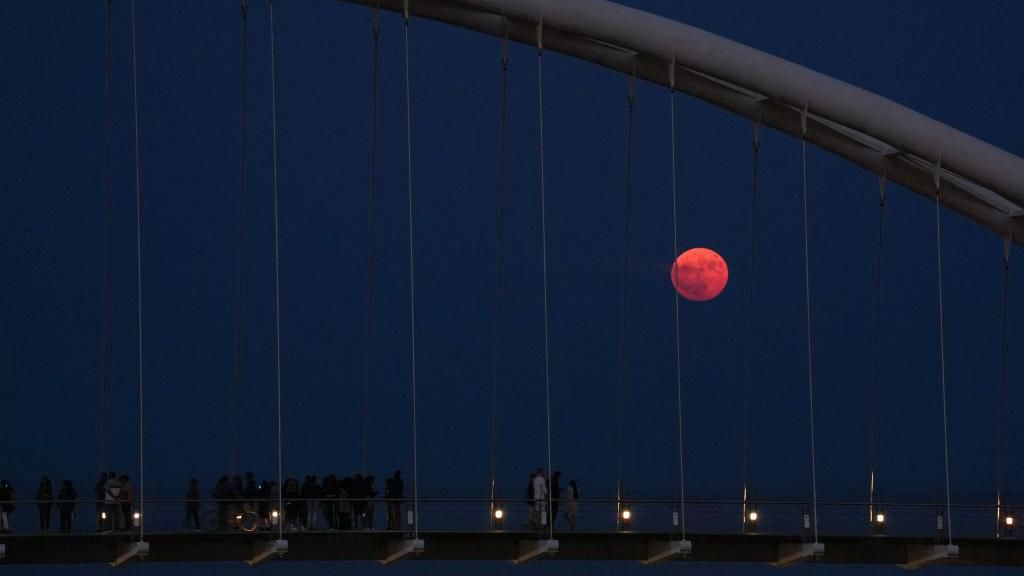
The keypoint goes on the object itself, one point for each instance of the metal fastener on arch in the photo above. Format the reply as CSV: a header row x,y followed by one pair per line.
x,y
977,179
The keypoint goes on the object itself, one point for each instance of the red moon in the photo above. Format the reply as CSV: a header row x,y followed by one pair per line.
x,y
699,274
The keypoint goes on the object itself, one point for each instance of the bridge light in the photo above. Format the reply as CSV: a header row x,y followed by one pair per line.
x,y
1008,522
136,519
499,518
274,517
879,518
499,514
750,520
103,515
627,517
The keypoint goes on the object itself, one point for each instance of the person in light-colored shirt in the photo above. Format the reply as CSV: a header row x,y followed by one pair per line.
x,y
540,497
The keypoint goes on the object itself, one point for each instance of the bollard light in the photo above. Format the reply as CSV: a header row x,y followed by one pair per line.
x,y
103,515
627,517
879,522
274,517
1008,521
136,519
751,520
499,518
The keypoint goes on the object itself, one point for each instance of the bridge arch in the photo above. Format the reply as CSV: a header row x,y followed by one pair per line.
x,y
980,181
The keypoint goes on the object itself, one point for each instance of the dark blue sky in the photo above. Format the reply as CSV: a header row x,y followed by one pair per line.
x,y
958,63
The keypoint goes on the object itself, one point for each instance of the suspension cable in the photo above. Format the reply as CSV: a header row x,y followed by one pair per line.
x,y
675,250
412,276
544,254
810,355
756,149
138,267
277,274
241,234
498,264
105,338
631,100
942,346
1002,384
1007,245
873,408
372,227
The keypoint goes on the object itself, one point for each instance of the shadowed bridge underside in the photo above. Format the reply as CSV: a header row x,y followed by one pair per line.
x,y
496,546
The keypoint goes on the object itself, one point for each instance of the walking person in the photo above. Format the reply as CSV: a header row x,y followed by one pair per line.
x,y
329,497
6,506
100,491
66,506
570,496
192,505
111,495
126,497
346,491
306,495
531,508
394,489
540,497
371,495
554,489
44,499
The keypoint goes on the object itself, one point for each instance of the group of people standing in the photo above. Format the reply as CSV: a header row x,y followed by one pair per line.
x,y
65,500
115,504
540,491
345,504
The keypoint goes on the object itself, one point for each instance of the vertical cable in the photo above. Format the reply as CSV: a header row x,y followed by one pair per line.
x,y
1002,384
756,148
810,355
412,278
675,293
105,338
372,227
498,266
544,255
277,276
942,347
241,233
631,100
873,409
138,267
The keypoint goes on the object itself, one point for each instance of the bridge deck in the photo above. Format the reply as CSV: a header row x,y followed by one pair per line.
x,y
486,546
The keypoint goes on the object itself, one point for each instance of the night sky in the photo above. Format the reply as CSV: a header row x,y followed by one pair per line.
x,y
954,61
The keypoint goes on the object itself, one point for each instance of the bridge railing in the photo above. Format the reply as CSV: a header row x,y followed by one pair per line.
x,y
773,517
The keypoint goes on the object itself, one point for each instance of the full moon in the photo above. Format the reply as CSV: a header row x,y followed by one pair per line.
x,y
699,274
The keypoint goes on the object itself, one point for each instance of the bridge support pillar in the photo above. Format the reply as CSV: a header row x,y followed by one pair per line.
x,y
918,556
661,551
130,551
266,550
532,549
793,553
399,550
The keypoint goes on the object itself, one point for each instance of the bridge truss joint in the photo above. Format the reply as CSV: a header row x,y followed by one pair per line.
x,y
127,552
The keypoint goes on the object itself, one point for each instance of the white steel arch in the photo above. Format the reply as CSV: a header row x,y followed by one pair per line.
x,y
977,179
